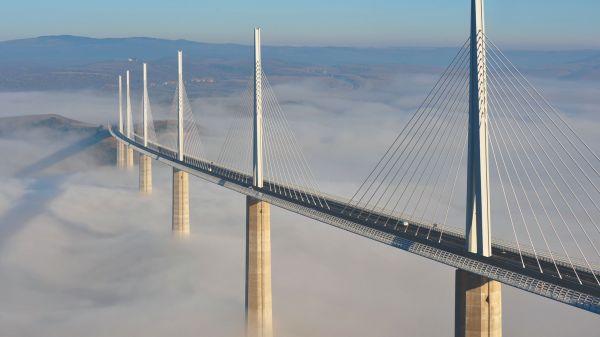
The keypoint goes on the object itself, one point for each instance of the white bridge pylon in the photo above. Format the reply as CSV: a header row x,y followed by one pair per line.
x,y
478,230
257,135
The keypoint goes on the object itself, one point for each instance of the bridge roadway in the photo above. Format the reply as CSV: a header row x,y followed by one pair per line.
x,y
504,265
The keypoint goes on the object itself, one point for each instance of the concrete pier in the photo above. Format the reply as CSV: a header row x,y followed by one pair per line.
x,y
478,306
181,203
259,311
128,157
145,174
120,155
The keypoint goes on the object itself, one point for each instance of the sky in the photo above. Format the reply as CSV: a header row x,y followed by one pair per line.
x,y
536,24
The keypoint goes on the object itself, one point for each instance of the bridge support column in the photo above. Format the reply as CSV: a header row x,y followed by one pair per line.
x,y
145,174
128,157
120,155
181,203
478,306
259,312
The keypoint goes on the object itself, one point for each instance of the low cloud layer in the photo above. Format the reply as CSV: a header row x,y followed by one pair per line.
x,y
83,253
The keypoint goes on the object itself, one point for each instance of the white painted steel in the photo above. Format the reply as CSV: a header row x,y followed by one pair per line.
x,y
180,89
257,162
477,228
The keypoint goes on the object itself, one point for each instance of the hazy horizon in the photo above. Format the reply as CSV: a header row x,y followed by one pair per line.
x,y
248,43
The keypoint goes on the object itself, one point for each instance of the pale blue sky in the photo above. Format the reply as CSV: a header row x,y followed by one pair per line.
x,y
555,24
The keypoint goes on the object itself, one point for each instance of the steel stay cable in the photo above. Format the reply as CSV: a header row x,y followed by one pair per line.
x,y
198,146
408,126
278,132
244,127
273,185
275,132
455,114
438,137
434,214
429,178
542,181
450,145
492,98
438,169
571,190
515,194
454,90
545,111
417,113
552,109
303,167
288,147
445,93
558,210
447,129
412,132
492,143
239,112
291,144
462,154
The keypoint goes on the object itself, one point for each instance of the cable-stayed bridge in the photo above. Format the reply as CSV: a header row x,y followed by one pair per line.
x,y
483,133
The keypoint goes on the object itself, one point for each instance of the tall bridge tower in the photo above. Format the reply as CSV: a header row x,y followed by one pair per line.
x,y
477,298
129,126
478,192
120,146
259,312
145,161
181,193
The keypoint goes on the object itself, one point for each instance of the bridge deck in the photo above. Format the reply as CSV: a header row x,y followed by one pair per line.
x,y
504,265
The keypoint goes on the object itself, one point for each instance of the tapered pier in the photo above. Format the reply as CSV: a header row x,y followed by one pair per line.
x,y
145,161
121,151
128,158
181,194
145,174
478,306
478,299
181,203
259,312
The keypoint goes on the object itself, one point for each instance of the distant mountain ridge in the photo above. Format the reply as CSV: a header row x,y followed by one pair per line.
x,y
69,50
76,62
76,50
